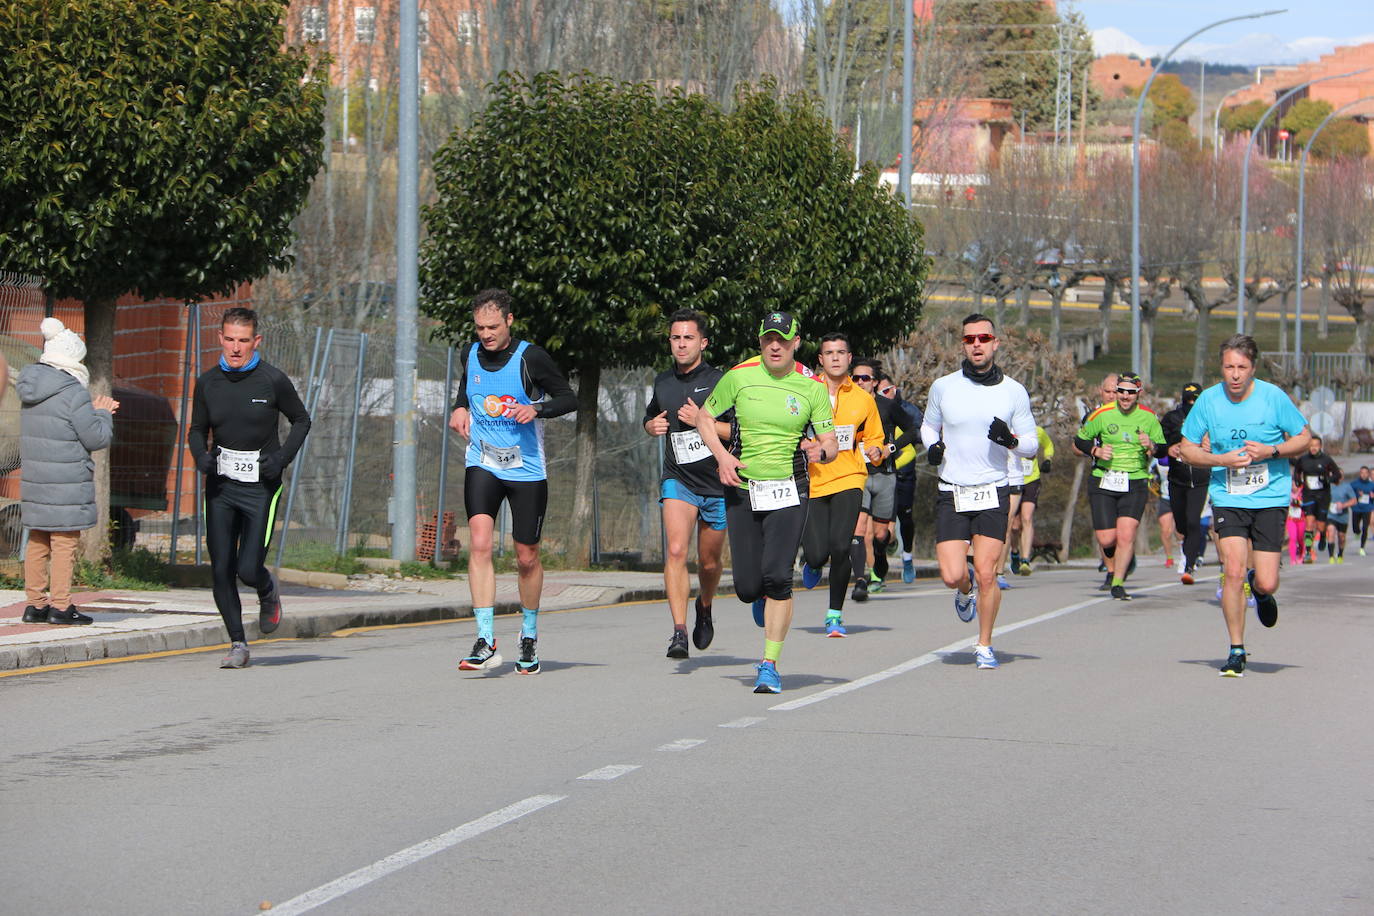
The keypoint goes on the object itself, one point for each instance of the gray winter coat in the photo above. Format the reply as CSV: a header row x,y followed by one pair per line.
x,y
58,430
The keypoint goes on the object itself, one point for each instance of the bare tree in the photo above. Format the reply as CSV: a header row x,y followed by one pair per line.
x,y
1346,237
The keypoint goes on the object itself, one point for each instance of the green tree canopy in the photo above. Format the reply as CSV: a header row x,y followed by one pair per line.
x,y
1343,137
1304,117
603,207
1243,117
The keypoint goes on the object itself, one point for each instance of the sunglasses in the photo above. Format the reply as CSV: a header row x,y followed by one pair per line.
x,y
979,338
1128,391
862,378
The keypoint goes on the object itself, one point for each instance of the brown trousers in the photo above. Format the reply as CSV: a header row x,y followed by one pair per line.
x,y
48,566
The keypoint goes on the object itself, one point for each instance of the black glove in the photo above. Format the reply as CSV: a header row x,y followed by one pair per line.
x,y
936,453
1000,432
206,462
1045,466
270,465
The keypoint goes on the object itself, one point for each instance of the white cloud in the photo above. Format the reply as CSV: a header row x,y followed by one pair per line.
x,y
1251,50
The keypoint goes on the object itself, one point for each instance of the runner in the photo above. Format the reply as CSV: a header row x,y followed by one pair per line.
x,y
1343,497
1023,523
1187,485
1296,527
838,488
1016,485
766,492
690,494
1317,470
1251,427
233,439
874,530
1164,510
1364,504
507,385
966,410
1106,394
904,464
1121,437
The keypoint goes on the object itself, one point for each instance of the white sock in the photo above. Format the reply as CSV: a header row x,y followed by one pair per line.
x,y
905,555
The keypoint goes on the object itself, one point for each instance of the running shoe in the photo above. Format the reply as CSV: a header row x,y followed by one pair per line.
x,y
1130,568
909,570
1106,583
1168,562
1249,596
1002,582
1016,564
759,605
269,609
1235,664
1340,558
483,656
834,628
1308,559
71,616
237,657
1187,577
677,645
1026,568
966,606
768,680
984,657
1120,594
876,585
37,614
1266,606
1331,560
860,591
1321,545
703,631
811,577
528,662
1362,551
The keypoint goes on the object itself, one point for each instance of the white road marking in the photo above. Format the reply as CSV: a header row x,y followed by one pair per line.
x,y
741,723
681,744
937,654
614,771
412,854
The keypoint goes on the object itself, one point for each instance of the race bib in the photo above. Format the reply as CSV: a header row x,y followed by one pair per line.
x,y
1116,481
845,436
1027,466
975,498
1314,482
239,465
500,459
1295,511
688,447
1164,488
1363,499
1243,481
766,495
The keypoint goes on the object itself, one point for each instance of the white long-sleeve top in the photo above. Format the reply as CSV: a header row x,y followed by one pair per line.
x,y
959,410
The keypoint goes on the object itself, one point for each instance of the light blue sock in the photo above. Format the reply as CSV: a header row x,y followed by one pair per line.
x,y
484,628
530,626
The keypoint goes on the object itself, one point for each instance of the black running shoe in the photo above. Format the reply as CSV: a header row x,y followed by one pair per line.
x,y
677,646
269,610
37,614
1106,583
860,592
71,616
1120,594
1130,567
528,662
1266,606
703,631
1235,664
482,657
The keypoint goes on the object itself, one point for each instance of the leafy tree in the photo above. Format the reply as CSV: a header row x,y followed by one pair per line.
x,y
158,147
1239,118
1177,136
1304,117
1170,100
1342,138
603,206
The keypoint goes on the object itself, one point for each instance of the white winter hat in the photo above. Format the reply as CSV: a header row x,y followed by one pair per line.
x,y
63,349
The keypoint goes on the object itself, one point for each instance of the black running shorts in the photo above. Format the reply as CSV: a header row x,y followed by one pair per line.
x,y
528,499
962,526
1030,493
1263,527
1108,506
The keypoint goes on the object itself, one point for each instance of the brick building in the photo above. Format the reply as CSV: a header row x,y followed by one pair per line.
x,y
1336,92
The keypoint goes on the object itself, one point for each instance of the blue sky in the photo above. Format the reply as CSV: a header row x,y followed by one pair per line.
x,y
1308,29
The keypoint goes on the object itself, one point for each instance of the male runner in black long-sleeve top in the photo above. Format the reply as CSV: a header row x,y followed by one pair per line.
x,y
238,403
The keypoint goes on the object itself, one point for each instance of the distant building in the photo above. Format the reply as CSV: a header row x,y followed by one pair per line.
x,y
1114,74
1336,92
965,135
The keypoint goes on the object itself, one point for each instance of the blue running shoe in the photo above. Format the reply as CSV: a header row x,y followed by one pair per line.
x,y
768,680
758,611
1002,582
834,628
810,577
966,606
984,657
908,571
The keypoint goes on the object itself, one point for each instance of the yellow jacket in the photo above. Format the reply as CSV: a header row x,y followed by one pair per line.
x,y
857,414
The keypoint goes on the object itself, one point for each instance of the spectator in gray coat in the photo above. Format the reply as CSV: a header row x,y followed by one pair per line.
x,y
59,426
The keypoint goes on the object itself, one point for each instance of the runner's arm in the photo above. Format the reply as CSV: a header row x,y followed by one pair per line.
x,y
539,369
1022,425
289,403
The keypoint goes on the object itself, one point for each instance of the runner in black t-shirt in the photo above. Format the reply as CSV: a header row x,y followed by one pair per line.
x,y
691,493
238,404
1317,471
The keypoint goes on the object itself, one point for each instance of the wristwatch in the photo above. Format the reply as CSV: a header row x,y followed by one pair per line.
x,y
1276,452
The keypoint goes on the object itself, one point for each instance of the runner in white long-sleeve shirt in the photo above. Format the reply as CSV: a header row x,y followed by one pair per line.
x,y
973,418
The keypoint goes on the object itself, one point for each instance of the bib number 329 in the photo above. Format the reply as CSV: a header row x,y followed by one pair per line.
x,y
239,465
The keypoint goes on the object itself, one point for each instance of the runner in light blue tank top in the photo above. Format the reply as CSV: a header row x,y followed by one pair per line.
x,y
510,450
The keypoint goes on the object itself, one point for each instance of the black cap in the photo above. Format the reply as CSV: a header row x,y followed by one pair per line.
x,y
1191,391
1129,378
780,322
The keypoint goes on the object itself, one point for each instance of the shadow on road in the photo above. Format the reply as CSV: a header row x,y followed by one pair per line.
x,y
270,660
852,629
1256,667
966,658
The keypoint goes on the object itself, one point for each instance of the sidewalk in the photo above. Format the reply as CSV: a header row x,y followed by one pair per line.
x,y
140,622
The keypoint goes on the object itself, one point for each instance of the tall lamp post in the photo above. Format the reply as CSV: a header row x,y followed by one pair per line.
x,y
403,450
1216,122
1302,196
1245,185
1135,185
908,100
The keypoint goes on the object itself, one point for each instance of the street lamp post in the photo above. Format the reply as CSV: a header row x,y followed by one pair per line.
x,y
1216,122
1245,185
1135,185
1302,196
908,101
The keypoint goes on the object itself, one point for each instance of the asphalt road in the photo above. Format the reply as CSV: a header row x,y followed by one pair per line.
x,y
1105,767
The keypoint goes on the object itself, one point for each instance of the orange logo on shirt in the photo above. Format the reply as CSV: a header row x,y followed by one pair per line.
x,y
498,406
